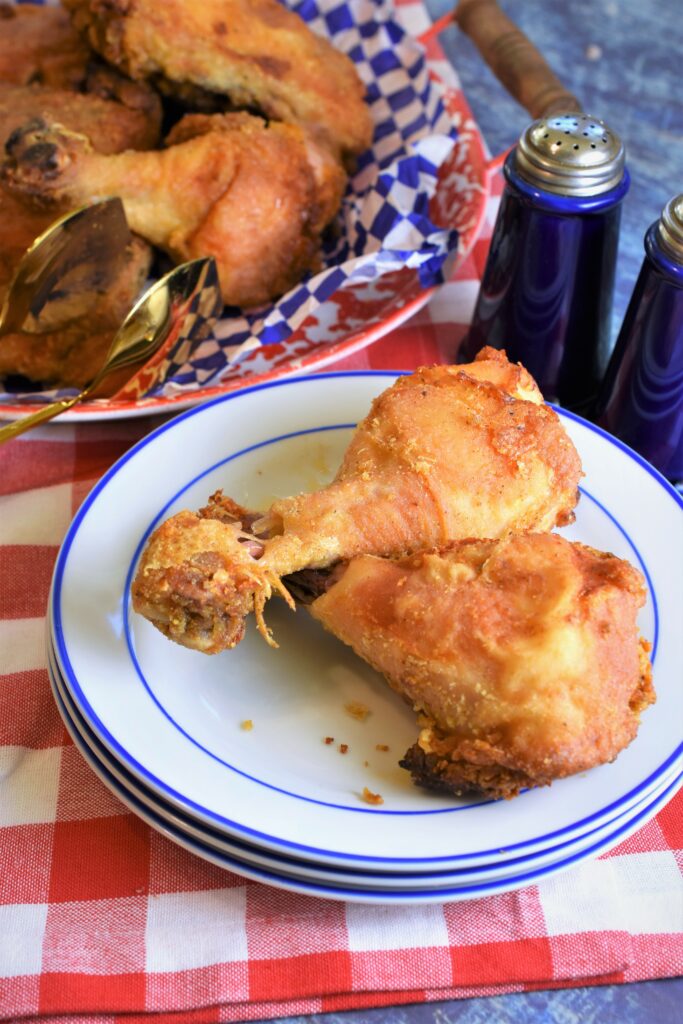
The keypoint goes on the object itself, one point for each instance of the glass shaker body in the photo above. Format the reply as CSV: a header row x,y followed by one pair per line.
x,y
547,289
641,400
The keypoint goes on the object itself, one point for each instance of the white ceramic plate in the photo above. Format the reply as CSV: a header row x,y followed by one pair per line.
x,y
349,889
172,717
506,867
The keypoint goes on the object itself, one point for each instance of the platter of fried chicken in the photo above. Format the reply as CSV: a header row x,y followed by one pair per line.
x,y
378,636
306,146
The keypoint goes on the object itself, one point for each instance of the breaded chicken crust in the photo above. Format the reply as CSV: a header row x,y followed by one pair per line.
x,y
71,356
39,45
445,453
255,196
521,656
256,53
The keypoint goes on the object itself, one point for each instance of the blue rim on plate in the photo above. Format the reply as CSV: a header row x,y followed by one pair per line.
x,y
130,784
126,758
368,895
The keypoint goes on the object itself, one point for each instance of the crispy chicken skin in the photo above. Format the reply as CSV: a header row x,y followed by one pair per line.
x,y
40,47
254,196
445,453
38,44
256,53
71,356
521,656
110,124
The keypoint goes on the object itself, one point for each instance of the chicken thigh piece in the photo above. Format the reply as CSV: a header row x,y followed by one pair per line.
x,y
255,53
446,453
254,196
521,656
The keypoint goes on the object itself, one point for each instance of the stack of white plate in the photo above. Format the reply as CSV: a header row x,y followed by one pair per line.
x,y
251,759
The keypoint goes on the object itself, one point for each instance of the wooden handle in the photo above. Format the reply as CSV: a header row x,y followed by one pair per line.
x,y
513,58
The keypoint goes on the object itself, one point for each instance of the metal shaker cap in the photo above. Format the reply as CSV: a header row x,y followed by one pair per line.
x,y
670,228
570,154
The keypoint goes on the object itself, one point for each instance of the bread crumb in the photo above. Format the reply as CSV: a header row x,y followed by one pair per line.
x,y
366,764
247,725
343,747
381,746
357,710
329,739
593,51
371,798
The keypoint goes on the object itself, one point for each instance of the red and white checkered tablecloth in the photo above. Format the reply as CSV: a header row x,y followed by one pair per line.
x,y
101,917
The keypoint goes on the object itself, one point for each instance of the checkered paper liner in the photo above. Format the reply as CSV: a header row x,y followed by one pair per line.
x,y
385,227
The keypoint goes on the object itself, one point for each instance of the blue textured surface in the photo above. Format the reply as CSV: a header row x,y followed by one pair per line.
x,y
635,86
646,1003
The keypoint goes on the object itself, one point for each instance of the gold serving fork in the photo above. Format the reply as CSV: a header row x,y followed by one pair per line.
x,y
182,305
67,269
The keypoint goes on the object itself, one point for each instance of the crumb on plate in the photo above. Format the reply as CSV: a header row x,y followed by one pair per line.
x,y
371,798
357,710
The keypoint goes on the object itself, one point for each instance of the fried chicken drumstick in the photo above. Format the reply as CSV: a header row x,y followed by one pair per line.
x,y
521,656
117,116
255,53
254,196
446,453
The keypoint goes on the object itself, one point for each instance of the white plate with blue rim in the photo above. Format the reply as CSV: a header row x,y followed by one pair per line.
x,y
164,817
172,717
350,886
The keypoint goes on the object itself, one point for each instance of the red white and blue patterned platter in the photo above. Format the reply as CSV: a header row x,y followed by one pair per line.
x,y
362,293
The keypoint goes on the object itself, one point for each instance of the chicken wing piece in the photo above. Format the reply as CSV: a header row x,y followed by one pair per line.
x,y
255,52
38,44
521,656
446,453
254,196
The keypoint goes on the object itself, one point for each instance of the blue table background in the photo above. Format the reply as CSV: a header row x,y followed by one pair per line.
x,y
634,85
623,59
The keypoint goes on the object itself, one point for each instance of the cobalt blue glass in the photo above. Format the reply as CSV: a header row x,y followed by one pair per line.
x,y
641,400
547,289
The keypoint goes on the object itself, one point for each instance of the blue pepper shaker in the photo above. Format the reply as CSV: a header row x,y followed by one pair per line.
x,y
547,289
641,400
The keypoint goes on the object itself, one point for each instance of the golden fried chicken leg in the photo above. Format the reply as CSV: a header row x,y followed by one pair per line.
x,y
446,453
521,656
72,356
256,53
254,196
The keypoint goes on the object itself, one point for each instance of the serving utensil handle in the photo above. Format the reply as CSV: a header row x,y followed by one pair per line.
x,y
513,58
34,419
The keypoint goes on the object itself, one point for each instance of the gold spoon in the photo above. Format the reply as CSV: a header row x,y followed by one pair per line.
x,y
67,268
187,301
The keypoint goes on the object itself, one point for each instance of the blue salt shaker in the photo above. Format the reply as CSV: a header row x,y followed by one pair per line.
x,y
641,400
547,289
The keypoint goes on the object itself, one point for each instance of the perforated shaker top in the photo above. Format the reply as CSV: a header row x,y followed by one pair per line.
x,y
570,154
671,228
